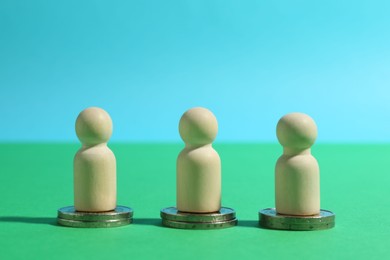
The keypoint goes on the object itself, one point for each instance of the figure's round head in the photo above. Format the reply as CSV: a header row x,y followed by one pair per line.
x,y
198,126
296,130
93,126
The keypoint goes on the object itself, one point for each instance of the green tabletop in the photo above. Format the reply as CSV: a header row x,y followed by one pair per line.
x,y
37,179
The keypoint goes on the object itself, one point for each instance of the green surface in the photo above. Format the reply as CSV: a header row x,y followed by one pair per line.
x,y
36,180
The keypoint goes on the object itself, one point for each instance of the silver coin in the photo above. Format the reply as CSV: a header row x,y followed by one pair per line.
x,y
199,225
172,214
268,218
94,224
120,212
68,216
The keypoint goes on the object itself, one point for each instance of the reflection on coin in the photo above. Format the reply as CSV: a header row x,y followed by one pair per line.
x,y
68,216
268,218
199,225
173,214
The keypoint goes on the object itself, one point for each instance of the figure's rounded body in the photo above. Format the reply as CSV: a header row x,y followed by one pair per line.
x,y
297,185
198,167
297,175
95,179
199,180
94,164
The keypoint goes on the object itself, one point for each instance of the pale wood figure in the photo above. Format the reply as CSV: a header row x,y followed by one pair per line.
x,y
198,164
297,174
94,163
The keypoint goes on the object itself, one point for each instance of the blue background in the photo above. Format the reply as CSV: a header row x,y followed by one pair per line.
x,y
146,62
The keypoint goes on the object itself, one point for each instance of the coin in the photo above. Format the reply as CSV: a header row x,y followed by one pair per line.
x,y
94,224
268,218
224,214
120,216
199,225
225,217
120,212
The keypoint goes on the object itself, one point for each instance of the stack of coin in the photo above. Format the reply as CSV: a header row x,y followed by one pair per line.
x,y
121,216
225,217
268,218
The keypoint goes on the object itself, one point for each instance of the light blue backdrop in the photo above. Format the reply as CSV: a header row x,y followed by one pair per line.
x,y
146,62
